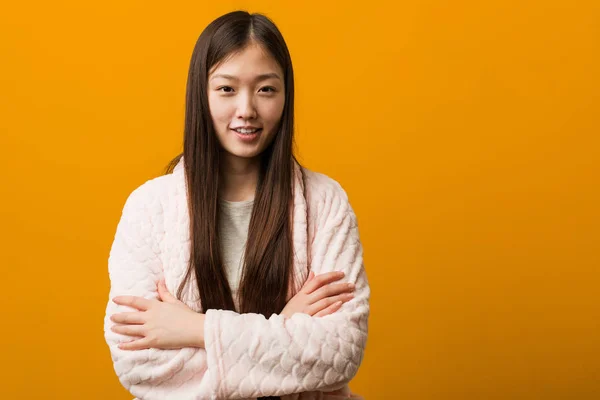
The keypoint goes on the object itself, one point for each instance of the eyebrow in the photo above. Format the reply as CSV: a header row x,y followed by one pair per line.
x,y
259,78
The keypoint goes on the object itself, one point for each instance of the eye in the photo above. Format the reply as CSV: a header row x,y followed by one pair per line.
x,y
229,89
271,89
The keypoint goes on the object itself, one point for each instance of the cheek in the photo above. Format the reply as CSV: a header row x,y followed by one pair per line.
x,y
220,110
272,111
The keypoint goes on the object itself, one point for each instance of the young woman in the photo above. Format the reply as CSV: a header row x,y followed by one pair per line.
x,y
238,274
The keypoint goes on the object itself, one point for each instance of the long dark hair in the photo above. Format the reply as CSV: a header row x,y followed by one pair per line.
x,y
268,259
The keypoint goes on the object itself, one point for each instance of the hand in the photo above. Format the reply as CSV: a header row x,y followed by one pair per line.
x,y
166,323
319,296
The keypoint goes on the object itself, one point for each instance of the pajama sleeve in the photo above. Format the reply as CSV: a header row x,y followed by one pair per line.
x,y
134,269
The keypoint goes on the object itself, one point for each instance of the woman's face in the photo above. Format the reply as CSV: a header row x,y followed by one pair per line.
x,y
246,91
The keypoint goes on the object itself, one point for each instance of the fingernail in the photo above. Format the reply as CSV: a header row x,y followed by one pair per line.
x,y
351,286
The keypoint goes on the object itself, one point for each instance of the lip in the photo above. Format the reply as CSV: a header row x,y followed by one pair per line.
x,y
246,127
248,137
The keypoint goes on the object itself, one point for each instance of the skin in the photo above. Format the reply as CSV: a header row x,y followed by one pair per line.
x,y
247,89
166,323
252,94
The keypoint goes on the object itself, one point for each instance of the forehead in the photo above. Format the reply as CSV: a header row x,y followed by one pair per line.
x,y
247,63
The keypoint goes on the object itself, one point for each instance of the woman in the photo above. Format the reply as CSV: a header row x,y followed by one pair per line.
x,y
254,246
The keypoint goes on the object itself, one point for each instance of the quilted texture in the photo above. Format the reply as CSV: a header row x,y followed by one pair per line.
x,y
246,355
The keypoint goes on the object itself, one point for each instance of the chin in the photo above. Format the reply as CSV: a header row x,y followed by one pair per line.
x,y
243,153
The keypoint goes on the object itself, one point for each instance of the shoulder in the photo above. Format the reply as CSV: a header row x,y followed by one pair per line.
x,y
321,186
153,195
326,197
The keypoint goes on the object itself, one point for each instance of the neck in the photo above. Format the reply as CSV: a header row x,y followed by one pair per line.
x,y
239,177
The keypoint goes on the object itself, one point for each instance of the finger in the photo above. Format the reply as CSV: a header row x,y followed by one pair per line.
x,y
322,279
330,290
328,301
138,344
329,310
164,293
133,301
129,330
128,318
311,275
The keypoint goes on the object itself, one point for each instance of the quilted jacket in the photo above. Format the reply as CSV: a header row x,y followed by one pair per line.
x,y
246,355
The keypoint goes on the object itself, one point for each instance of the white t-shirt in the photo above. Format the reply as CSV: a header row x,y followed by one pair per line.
x,y
234,219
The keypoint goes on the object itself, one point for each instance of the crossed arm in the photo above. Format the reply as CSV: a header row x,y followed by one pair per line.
x,y
242,355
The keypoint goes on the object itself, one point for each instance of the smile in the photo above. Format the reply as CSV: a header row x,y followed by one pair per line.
x,y
247,131
247,135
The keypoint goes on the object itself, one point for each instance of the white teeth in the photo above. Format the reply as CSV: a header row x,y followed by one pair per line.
x,y
242,130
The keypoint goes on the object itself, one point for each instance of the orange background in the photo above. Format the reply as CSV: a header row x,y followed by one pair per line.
x,y
465,133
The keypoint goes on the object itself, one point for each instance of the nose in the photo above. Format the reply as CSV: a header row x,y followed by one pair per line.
x,y
246,109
